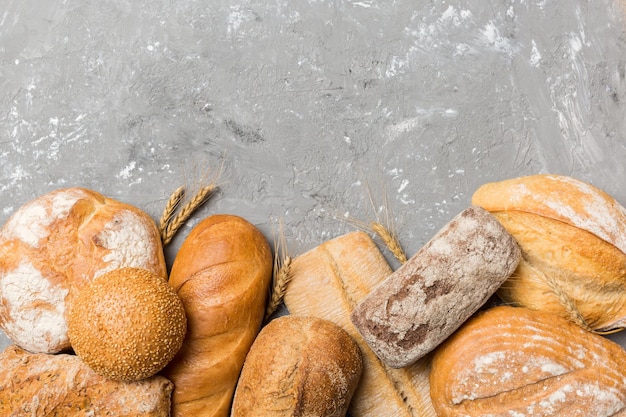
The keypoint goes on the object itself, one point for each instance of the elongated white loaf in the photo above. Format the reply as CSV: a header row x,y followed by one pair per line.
x,y
53,246
327,282
513,361
437,289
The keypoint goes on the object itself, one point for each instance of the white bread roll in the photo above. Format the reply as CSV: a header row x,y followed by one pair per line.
x,y
52,246
298,366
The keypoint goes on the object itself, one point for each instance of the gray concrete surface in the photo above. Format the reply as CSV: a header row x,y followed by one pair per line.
x,y
319,111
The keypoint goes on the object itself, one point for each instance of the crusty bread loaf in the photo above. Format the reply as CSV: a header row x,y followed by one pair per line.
x,y
222,274
62,385
52,246
573,241
513,361
423,302
327,282
298,366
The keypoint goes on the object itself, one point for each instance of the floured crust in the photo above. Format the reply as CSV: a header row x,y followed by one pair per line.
x,y
55,244
442,285
573,241
298,366
512,361
63,385
560,198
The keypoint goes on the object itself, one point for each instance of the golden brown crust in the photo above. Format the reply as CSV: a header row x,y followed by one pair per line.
x,y
63,385
222,274
515,361
127,324
573,241
298,366
52,246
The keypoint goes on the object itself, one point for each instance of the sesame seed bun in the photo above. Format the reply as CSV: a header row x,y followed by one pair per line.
x,y
128,324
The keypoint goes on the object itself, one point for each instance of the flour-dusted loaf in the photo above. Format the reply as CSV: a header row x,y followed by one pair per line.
x,y
298,366
39,384
513,361
52,246
437,289
222,274
573,241
327,282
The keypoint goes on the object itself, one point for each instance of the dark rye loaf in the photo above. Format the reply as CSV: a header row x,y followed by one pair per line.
x,y
440,287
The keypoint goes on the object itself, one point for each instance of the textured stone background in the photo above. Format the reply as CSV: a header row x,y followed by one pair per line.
x,y
318,111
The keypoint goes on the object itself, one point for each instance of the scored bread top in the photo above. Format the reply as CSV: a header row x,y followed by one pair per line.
x,y
560,198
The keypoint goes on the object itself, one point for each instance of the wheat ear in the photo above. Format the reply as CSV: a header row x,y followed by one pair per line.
x,y
281,274
566,302
185,212
170,208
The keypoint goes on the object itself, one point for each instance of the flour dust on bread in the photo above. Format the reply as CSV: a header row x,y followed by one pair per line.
x,y
573,241
298,366
514,361
55,244
38,384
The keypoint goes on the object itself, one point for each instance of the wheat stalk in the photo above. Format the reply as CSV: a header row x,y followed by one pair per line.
x,y
170,208
281,274
572,311
185,212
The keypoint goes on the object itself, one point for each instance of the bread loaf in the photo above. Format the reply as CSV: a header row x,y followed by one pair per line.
x,y
221,273
513,361
327,282
298,366
63,385
437,289
52,246
573,241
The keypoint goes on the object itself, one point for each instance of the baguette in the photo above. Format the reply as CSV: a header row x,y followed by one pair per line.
x,y
573,241
63,385
513,361
222,274
52,246
298,366
442,285
327,282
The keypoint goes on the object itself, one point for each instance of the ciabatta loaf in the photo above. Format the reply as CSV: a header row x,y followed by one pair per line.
x,y
327,282
298,366
62,385
52,246
423,302
513,361
222,274
573,241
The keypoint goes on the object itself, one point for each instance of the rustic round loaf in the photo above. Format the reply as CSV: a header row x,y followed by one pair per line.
x,y
52,246
299,366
